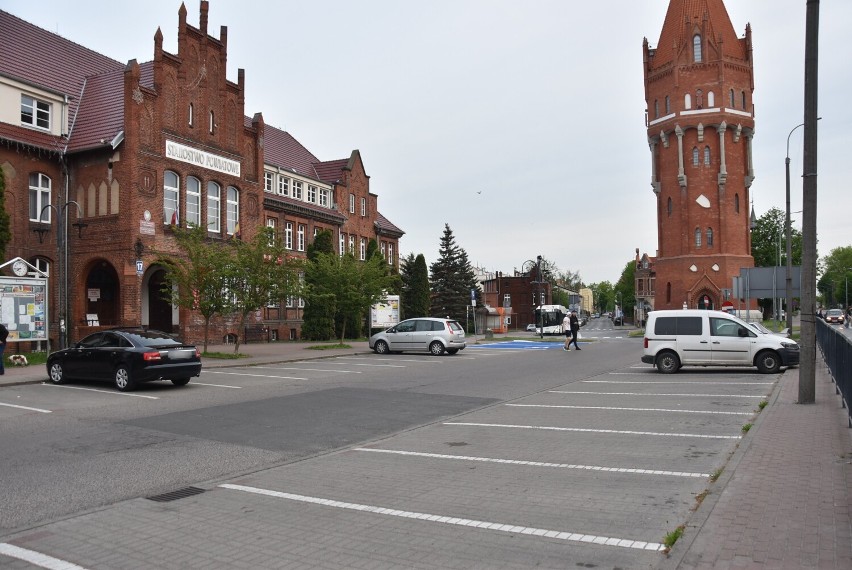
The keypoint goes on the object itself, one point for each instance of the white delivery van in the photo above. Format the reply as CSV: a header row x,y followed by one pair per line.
x,y
695,337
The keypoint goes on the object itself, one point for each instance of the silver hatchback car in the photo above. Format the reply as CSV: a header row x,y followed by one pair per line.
x,y
422,334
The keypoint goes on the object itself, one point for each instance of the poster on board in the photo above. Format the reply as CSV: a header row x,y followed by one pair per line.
x,y
23,308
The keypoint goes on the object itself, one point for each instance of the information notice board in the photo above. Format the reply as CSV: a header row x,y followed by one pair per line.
x,y
23,308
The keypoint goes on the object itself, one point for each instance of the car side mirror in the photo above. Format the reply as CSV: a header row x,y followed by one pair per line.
x,y
742,332
391,330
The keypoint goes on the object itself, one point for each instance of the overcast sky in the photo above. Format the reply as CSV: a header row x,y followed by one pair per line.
x,y
520,124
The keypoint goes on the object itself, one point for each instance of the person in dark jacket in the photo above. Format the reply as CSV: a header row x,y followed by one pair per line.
x,y
575,329
4,334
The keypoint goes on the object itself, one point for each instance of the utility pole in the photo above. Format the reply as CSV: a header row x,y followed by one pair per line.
x,y
807,368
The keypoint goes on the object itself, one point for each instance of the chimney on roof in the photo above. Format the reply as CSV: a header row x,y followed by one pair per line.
x,y
202,20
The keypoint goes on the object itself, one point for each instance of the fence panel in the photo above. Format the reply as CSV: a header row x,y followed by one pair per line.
x,y
836,350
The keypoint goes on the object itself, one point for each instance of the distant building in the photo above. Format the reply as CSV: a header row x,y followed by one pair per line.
x,y
645,280
510,301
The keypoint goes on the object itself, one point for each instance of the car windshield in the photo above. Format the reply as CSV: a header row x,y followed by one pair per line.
x,y
760,328
152,338
835,312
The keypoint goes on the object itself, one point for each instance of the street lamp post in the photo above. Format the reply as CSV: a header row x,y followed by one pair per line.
x,y
62,253
789,274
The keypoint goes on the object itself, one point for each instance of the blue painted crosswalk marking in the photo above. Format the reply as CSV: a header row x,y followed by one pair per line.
x,y
519,345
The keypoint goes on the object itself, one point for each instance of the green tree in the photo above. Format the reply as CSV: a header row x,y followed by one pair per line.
x,y
353,285
769,239
5,229
836,277
604,296
625,289
196,280
260,273
415,295
318,315
452,280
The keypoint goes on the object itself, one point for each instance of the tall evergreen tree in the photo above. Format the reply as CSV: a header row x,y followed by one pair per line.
x,y
320,306
452,279
415,295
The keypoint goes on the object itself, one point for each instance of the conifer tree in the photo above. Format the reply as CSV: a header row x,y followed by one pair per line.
x,y
415,296
320,307
452,280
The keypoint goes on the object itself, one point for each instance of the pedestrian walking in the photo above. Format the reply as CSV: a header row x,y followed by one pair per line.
x,y
4,334
847,321
575,329
566,328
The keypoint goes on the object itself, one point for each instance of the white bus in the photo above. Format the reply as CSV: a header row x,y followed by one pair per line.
x,y
548,319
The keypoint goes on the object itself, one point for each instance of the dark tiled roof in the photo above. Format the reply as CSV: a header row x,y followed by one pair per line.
x,y
43,59
280,149
386,226
330,171
101,114
676,33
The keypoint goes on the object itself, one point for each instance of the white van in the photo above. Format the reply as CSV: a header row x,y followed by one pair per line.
x,y
695,337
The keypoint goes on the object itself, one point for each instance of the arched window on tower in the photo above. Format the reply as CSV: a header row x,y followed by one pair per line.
x,y
737,203
707,156
699,99
733,100
711,99
687,101
697,237
709,237
695,156
669,207
668,105
696,48
744,100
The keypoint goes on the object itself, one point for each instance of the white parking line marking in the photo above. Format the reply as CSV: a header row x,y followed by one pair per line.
x,y
217,385
428,359
255,375
101,391
687,382
26,408
572,536
381,365
537,463
641,394
631,409
37,558
307,369
590,430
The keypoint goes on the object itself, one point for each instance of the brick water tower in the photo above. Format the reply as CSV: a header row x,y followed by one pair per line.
x,y
699,81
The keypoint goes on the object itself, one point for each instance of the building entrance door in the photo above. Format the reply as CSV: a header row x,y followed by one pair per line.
x,y
159,308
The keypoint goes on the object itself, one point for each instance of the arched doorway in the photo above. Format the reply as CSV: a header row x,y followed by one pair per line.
x,y
705,301
102,294
159,307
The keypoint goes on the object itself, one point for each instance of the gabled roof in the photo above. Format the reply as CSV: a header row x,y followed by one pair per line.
x,y
330,171
281,150
385,226
678,27
100,117
49,62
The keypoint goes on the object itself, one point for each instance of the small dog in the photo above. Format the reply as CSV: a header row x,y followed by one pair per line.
x,y
18,360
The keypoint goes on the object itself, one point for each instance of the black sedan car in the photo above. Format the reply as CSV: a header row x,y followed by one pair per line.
x,y
126,357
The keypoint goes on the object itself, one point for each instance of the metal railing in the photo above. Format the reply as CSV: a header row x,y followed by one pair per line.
x,y
836,350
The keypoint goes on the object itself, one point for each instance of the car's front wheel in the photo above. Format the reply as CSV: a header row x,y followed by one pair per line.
x,y
123,380
768,362
668,362
381,347
57,373
436,348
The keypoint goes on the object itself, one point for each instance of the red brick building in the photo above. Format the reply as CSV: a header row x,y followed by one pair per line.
x,y
127,151
698,89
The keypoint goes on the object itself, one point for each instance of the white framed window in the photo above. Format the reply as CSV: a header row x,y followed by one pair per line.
x,y
193,201
390,254
288,235
707,156
272,223
291,302
323,197
39,197
696,48
711,99
35,113
363,251
341,246
352,245
191,114
697,237
269,182
687,101
171,198
212,122
312,194
352,203
214,201
301,237
383,248
695,156
233,211
363,207
283,185
297,190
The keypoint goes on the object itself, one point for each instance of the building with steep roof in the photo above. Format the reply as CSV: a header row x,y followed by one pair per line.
x,y
699,81
102,159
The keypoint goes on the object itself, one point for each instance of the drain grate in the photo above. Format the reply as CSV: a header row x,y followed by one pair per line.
x,y
175,495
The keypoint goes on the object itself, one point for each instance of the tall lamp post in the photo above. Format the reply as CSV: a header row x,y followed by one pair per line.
x,y
62,253
789,274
